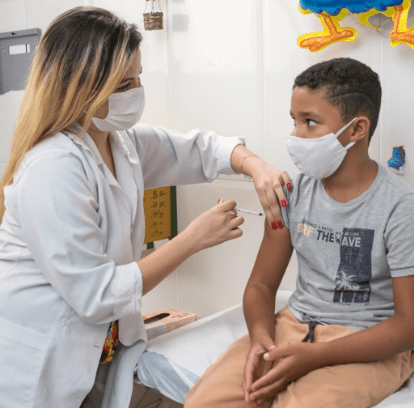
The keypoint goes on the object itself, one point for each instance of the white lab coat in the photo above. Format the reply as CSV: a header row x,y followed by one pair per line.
x,y
69,242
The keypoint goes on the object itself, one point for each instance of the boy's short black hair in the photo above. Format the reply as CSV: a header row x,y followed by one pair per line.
x,y
351,86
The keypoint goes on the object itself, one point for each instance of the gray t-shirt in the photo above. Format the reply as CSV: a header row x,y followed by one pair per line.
x,y
349,253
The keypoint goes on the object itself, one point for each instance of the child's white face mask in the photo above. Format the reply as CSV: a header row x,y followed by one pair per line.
x,y
125,110
320,157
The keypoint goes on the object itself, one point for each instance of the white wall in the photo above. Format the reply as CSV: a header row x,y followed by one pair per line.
x,y
229,66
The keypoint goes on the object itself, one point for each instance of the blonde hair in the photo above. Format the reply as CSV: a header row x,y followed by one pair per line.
x,y
80,59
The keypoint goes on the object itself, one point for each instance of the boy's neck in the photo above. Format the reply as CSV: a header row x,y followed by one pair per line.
x,y
354,176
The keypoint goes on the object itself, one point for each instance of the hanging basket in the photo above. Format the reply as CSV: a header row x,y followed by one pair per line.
x,y
153,21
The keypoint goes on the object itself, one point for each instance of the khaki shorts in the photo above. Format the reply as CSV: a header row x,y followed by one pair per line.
x,y
358,385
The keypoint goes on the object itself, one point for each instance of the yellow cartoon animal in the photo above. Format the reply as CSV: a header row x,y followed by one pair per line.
x,y
331,12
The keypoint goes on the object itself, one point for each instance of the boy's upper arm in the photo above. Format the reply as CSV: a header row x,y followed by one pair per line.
x,y
403,289
286,210
399,238
273,257
399,241
276,248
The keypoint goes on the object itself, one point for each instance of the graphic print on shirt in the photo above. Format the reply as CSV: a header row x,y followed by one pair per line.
x,y
355,270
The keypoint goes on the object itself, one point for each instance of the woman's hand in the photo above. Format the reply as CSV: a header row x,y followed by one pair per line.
x,y
210,228
215,226
295,361
256,367
268,182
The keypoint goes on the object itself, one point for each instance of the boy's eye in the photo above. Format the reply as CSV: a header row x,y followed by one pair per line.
x,y
294,122
311,122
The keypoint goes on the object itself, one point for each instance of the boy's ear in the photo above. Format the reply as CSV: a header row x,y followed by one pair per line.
x,y
360,128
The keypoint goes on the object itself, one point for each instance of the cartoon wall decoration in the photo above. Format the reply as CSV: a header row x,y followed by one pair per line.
x,y
397,160
331,12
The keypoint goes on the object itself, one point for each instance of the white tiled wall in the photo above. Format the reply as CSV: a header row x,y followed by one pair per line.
x,y
229,66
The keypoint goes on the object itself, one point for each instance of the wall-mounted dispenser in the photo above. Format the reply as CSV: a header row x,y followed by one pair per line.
x,y
17,49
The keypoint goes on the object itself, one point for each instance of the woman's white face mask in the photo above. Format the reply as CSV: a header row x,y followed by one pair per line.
x,y
320,157
124,110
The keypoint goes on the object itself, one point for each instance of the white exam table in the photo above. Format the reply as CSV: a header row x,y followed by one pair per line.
x,y
174,361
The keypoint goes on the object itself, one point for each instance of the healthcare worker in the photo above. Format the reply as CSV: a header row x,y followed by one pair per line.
x,y
71,209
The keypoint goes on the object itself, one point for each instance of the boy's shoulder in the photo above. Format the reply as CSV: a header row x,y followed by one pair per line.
x,y
302,186
389,191
394,183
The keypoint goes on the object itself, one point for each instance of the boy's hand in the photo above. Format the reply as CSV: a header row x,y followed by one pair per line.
x,y
296,361
256,367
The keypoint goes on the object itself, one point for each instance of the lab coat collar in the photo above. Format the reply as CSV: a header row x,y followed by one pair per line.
x,y
127,181
121,143
124,144
87,143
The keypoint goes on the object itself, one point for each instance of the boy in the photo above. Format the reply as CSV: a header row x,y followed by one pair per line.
x,y
345,338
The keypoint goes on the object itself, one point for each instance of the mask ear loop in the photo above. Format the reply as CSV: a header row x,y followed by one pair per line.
x,y
349,145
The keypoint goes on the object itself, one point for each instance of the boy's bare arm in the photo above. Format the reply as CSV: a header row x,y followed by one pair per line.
x,y
259,301
269,268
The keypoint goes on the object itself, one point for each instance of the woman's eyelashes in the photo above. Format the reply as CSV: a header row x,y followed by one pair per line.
x,y
124,88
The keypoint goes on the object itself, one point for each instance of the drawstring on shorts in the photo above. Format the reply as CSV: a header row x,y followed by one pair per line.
x,y
311,335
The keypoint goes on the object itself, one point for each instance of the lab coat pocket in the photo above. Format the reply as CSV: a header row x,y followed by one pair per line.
x,y
22,352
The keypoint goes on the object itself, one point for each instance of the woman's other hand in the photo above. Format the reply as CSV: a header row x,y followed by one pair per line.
x,y
268,182
215,226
